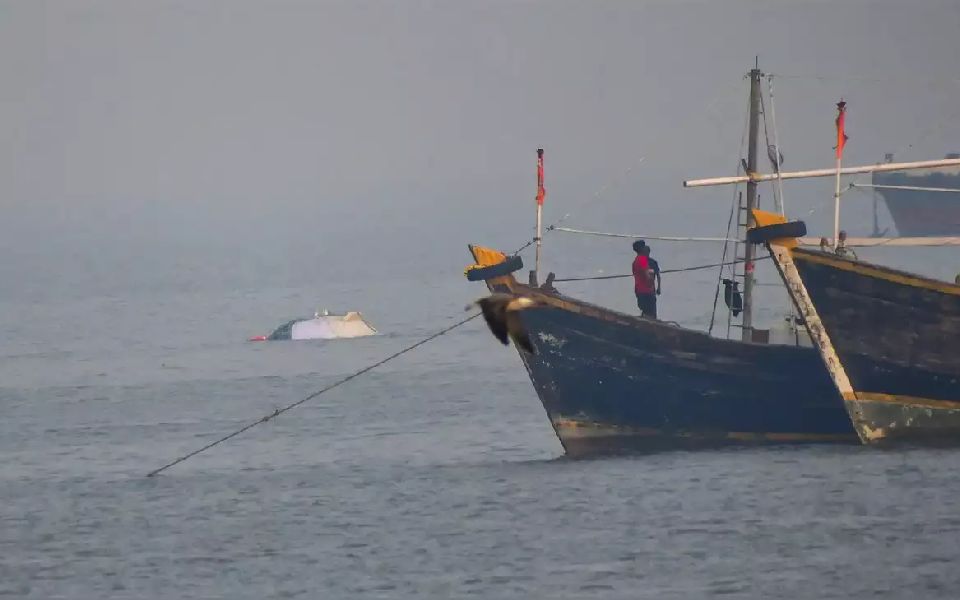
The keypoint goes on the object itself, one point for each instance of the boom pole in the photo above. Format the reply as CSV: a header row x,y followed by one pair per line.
x,y
832,171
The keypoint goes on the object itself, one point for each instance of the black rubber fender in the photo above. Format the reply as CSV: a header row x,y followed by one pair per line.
x,y
790,229
511,265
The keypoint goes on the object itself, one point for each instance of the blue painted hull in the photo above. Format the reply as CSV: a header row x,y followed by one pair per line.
x,y
897,336
614,383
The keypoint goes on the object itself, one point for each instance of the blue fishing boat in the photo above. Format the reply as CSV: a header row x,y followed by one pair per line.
x,y
889,339
897,337
611,382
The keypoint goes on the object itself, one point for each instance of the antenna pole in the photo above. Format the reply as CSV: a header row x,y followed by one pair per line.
x,y
749,251
541,194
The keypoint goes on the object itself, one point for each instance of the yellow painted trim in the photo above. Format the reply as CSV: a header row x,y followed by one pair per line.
x,y
600,430
792,437
913,401
878,273
486,257
763,218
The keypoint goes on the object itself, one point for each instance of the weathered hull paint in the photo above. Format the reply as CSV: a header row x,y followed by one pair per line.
x,y
884,422
624,383
582,439
612,383
898,338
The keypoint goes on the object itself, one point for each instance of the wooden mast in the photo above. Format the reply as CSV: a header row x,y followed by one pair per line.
x,y
750,251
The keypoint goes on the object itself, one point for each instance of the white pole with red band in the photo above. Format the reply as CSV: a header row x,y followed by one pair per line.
x,y
541,195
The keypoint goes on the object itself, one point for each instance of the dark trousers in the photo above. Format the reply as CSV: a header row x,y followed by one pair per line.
x,y
647,304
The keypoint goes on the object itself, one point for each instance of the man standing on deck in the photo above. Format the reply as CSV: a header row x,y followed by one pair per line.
x,y
656,269
643,279
842,249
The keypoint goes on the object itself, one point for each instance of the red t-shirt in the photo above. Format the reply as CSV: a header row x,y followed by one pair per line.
x,y
642,282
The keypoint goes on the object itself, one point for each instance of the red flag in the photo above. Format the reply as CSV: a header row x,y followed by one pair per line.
x,y
841,136
541,191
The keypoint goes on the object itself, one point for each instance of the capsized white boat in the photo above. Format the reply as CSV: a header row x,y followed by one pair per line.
x,y
323,326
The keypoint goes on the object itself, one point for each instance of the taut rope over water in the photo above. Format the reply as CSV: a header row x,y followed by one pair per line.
x,y
665,271
340,382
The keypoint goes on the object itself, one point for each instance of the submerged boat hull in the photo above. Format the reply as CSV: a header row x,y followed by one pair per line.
x,y
323,327
613,383
897,337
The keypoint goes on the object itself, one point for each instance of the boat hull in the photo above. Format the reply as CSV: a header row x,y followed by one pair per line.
x,y
324,327
922,213
611,383
897,337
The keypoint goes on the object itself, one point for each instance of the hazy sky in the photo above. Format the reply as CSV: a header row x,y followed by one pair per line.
x,y
331,127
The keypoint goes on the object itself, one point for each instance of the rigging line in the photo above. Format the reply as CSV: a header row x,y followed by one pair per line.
x,y
548,229
766,139
776,147
924,135
662,238
654,143
910,188
738,197
734,204
899,81
525,246
596,195
857,178
664,272
723,259
338,383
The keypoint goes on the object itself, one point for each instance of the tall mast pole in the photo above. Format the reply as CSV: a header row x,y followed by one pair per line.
x,y
749,252
841,140
541,194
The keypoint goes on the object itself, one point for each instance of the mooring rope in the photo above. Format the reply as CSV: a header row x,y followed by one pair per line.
x,y
696,268
340,382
